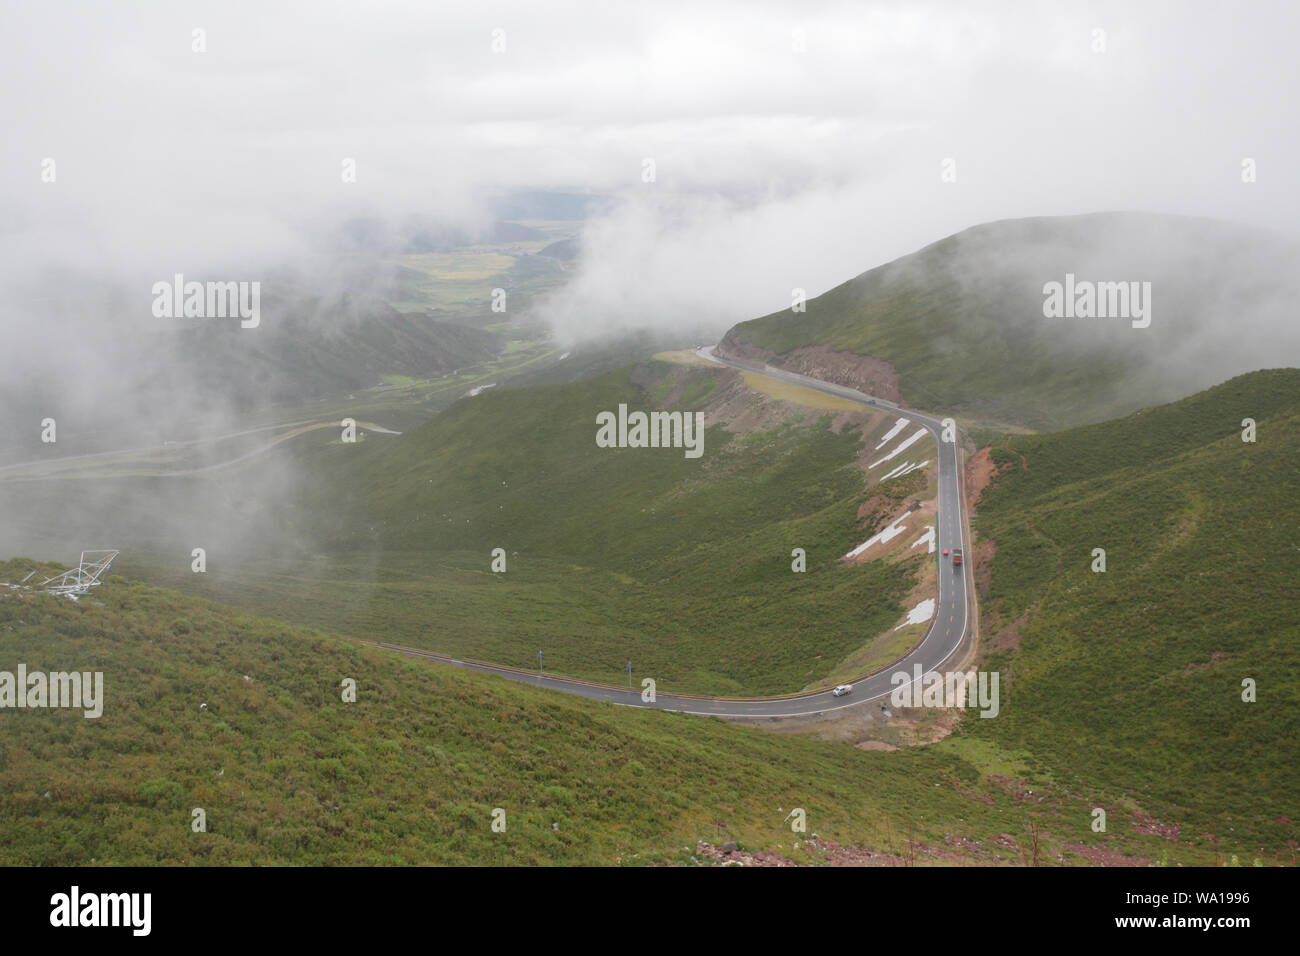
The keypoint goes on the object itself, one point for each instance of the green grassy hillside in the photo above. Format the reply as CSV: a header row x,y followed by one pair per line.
x,y
409,773
1131,680
1120,690
962,320
682,566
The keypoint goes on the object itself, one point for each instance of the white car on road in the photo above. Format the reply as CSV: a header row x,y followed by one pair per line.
x,y
842,690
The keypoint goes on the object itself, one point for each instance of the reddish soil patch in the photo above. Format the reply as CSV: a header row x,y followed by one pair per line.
x,y
871,375
930,728
1145,823
1022,790
981,559
876,503
1102,857
980,472
881,507
830,854
970,848
835,854
717,856
1008,638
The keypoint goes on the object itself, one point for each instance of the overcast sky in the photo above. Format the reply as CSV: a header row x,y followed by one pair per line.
x,y
795,144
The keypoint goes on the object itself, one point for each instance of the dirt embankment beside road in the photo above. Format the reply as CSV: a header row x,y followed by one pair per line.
x,y
980,473
871,375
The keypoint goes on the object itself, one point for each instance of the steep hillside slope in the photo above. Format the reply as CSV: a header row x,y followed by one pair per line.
x,y
961,325
683,565
244,719
1122,689
1131,679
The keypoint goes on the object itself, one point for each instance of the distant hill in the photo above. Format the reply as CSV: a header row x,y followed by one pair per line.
x,y
961,321
313,346
118,378
564,249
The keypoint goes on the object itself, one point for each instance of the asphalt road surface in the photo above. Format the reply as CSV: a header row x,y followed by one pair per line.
x,y
945,637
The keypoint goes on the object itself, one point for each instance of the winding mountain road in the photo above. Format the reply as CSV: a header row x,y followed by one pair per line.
x,y
948,627
297,428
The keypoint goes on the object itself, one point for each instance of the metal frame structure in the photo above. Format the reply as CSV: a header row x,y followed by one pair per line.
x,y
83,577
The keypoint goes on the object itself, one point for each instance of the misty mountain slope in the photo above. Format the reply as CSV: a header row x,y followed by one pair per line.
x,y
1131,678
112,376
962,320
312,348
683,565
243,717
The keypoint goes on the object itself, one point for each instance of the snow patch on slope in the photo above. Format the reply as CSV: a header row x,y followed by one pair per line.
x,y
904,469
898,427
927,538
911,440
919,614
891,532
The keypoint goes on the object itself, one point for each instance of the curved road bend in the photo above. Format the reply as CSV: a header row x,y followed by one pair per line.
x,y
947,631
